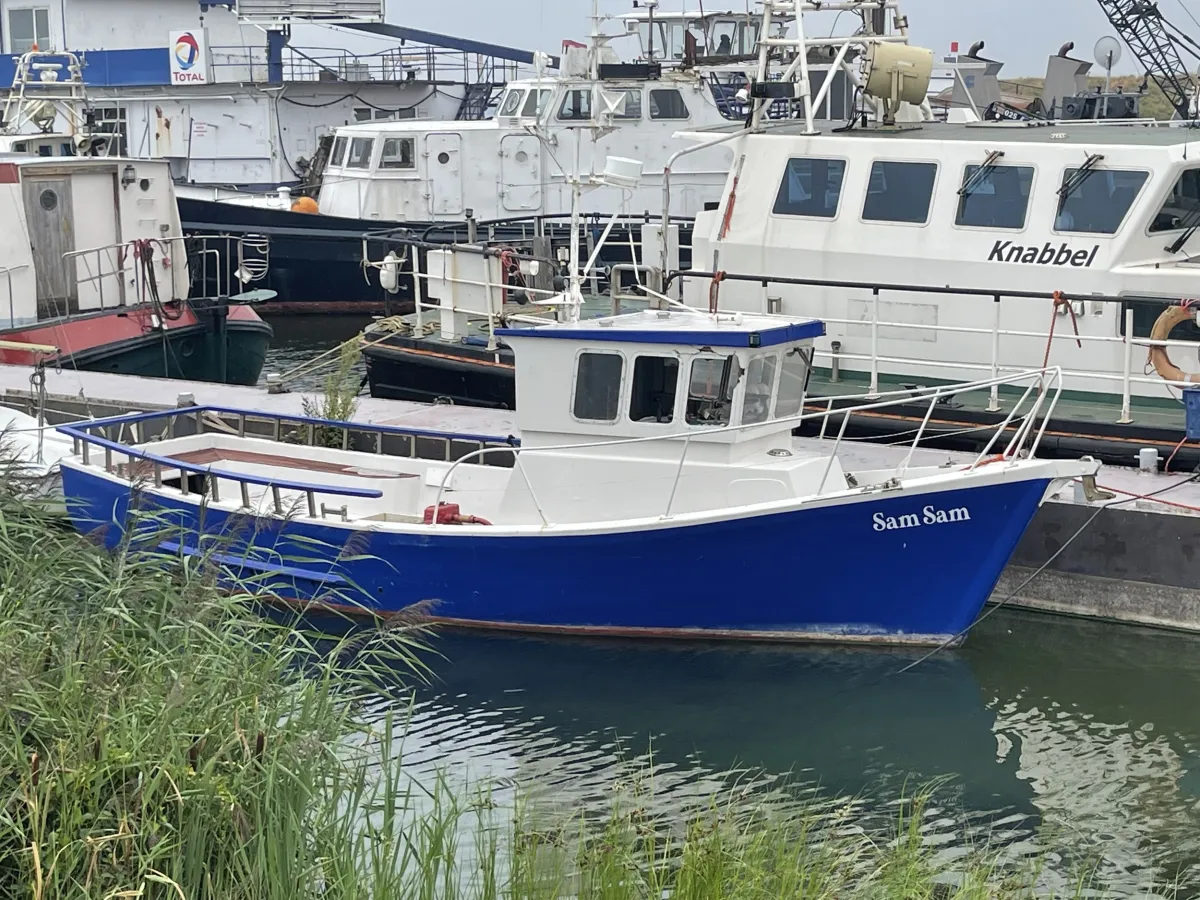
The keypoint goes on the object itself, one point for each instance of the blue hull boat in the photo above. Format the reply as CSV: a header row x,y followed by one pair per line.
x,y
820,573
656,491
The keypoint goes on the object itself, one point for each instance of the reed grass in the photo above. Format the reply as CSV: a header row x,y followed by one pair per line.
x,y
338,400
160,738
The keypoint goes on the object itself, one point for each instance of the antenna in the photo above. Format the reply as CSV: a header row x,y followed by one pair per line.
x,y
1107,55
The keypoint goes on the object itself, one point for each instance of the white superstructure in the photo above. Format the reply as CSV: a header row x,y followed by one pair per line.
x,y
1104,209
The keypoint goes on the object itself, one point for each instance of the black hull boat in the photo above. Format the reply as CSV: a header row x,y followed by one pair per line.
x,y
427,370
316,261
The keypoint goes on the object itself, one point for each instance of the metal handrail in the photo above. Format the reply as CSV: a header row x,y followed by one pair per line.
x,y
371,427
1043,377
7,271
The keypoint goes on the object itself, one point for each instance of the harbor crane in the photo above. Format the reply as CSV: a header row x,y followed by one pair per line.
x,y
1158,45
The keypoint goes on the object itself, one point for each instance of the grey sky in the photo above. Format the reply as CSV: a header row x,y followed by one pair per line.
x,y
1022,33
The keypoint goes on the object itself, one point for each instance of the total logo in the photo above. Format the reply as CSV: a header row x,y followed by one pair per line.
x,y
187,59
187,51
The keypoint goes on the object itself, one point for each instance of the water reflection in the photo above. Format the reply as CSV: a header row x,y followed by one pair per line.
x,y
1083,729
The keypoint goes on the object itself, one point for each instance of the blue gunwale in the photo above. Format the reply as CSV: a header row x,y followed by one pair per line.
x,y
752,339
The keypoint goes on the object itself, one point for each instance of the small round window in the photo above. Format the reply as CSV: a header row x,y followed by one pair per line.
x,y
443,157
49,200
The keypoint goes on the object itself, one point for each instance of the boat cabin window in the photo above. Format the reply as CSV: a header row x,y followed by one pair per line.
x,y
1097,199
628,102
900,192
398,153
760,386
810,187
793,382
667,103
710,390
512,103
576,105
732,37
997,197
535,103
360,153
655,381
1182,207
598,386
337,156
1146,313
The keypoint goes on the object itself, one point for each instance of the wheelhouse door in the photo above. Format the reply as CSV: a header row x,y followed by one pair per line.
x,y
443,152
48,208
520,173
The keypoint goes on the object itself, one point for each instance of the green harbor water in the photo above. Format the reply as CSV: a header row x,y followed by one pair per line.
x,y
1041,730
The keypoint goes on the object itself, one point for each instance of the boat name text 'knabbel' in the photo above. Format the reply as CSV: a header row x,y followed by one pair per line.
x,y
1047,255
929,516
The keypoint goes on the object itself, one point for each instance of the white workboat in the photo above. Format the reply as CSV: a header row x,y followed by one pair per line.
x,y
655,492
936,249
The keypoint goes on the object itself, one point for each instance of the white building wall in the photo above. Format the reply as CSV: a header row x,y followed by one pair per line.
x,y
133,24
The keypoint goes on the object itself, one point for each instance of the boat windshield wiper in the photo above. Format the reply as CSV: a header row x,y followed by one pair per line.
x,y
981,173
1082,174
1190,223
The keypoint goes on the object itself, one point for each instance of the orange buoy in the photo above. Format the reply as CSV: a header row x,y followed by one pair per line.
x,y
1167,370
306,205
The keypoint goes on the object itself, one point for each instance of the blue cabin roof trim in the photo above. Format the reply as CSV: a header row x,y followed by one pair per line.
x,y
750,338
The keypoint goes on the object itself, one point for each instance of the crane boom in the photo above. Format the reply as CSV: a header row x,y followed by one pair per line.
x,y
1156,44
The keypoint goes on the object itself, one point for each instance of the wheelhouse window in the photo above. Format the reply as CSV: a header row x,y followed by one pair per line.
x,y
996,197
398,153
760,385
576,105
900,192
655,382
511,104
535,102
1182,207
1095,201
628,102
793,382
360,153
598,386
667,104
710,390
337,157
810,187
27,27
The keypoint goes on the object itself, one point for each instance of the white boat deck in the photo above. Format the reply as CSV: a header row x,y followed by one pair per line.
x,y
138,393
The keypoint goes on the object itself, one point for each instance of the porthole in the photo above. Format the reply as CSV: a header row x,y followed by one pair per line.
x,y
443,157
49,200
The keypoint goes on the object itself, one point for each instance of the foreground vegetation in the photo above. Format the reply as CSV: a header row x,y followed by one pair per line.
x,y
161,739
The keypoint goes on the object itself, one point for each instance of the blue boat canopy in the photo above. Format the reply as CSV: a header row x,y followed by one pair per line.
x,y
684,328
